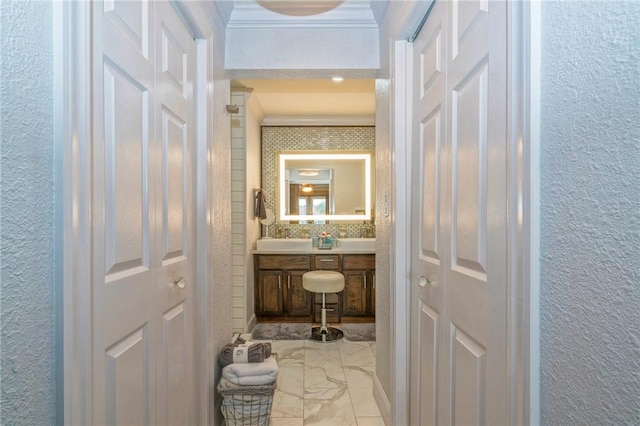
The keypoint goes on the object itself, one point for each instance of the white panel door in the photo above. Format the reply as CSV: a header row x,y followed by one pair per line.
x,y
142,218
465,289
428,217
175,217
476,271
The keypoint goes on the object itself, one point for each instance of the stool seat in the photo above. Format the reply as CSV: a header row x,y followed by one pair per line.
x,y
323,281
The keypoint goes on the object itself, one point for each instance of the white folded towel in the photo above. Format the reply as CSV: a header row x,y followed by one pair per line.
x,y
255,373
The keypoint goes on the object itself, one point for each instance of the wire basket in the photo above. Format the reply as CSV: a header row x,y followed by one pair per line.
x,y
247,405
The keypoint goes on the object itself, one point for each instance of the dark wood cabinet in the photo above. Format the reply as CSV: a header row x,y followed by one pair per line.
x,y
354,296
280,295
298,299
279,291
330,262
373,293
358,299
269,300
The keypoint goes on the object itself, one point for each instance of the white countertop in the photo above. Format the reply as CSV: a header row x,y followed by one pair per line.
x,y
304,246
315,251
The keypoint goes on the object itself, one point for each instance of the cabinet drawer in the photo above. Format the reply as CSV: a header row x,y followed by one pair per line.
x,y
284,262
327,261
359,261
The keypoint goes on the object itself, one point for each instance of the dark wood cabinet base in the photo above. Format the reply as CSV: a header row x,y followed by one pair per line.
x,y
280,297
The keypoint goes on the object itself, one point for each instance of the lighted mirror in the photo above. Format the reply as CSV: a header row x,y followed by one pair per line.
x,y
321,186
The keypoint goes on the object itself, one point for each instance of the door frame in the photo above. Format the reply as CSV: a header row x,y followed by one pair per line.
x,y
523,86
72,135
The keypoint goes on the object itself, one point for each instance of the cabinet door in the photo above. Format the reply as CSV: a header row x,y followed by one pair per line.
x,y
354,296
298,299
270,293
372,309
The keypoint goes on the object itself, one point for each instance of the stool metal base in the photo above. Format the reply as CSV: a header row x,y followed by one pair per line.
x,y
330,335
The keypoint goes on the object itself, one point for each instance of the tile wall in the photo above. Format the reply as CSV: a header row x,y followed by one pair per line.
x,y
301,138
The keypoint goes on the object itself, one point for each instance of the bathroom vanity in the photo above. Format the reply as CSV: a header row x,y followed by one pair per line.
x,y
279,295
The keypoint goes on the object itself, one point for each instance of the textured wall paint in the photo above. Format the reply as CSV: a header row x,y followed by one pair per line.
x,y
308,49
590,213
221,289
254,177
383,237
26,214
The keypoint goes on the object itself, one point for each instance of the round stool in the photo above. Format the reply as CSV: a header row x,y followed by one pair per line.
x,y
324,282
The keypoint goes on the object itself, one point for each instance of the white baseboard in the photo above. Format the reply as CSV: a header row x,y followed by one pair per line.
x,y
381,399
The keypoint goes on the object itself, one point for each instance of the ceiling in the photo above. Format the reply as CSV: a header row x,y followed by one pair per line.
x,y
304,97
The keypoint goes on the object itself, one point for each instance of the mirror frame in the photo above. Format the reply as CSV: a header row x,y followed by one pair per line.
x,y
282,157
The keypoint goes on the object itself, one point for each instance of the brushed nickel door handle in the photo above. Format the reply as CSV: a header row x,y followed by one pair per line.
x,y
180,282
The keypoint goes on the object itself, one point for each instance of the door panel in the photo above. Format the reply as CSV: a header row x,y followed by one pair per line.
x,y
476,273
123,220
174,202
430,135
175,75
142,217
174,367
132,19
469,387
127,384
126,159
428,356
428,242
459,232
469,147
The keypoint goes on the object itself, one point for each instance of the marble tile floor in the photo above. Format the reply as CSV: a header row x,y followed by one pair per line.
x,y
324,384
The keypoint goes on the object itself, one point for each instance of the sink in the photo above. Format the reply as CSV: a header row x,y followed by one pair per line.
x,y
284,244
352,244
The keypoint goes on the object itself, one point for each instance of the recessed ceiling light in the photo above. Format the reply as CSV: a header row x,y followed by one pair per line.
x,y
337,79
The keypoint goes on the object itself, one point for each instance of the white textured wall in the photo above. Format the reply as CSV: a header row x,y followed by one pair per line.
x,y
590,213
383,237
27,360
221,291
296,49
253,134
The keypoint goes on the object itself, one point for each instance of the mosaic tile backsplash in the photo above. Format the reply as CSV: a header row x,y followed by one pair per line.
x,y
278,139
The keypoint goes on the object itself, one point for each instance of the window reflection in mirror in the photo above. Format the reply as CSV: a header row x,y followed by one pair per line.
x,y
314,187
